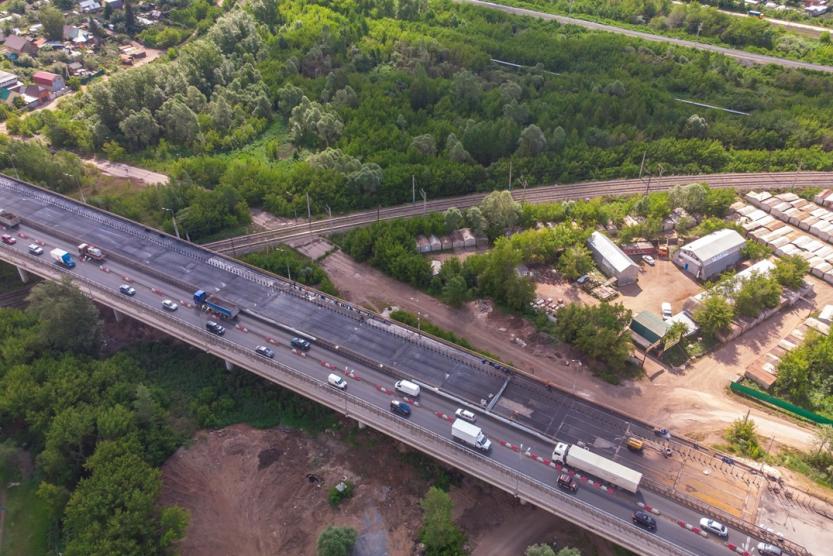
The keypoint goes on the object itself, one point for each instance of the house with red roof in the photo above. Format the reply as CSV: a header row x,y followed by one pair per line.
x,y
51,81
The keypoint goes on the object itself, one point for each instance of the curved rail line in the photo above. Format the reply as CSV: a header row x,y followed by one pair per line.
x,y
543,194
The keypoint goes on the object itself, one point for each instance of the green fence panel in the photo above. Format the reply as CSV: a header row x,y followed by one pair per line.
x,y
778,402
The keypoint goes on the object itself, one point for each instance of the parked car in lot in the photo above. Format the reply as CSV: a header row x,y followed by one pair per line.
x,y
8,240
300,343
265,352
566,482
465,415
337,381
649,260
127,289
400,408
765,549
215,328
714,527
35,249
644,520
666,310
169,305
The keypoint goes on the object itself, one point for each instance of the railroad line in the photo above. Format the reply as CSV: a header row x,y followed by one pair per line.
x,y
543,194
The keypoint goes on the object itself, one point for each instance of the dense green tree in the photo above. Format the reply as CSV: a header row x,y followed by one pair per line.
x,y
476,221
714,314
140,129
336,541
532,141
789,271
755,251
53,23
758,292
599,332
501,211
111,511
455,291
68,320
453,219
179,122
575,261
439,532
539,550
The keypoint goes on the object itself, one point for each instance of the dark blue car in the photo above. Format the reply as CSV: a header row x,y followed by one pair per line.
x,y
400,408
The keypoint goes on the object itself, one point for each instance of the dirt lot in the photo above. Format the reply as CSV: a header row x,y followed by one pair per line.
x,y
249,494
657,284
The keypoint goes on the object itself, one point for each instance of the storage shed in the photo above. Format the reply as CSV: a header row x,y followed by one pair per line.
x,y
611,260
649,327
711,254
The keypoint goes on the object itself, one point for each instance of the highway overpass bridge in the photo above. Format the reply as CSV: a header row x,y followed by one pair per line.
x,y
521,416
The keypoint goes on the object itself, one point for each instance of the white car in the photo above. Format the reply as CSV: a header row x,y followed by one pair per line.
x,y
169,305
35,249
465,415
714,527
666,310
649,259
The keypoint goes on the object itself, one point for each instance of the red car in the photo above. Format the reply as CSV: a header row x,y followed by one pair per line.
x,y
9,240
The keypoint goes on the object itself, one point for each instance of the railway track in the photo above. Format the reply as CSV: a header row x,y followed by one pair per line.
x,y
548,193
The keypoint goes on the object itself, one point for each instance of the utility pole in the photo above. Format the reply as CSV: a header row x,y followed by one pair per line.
x,y
77,182
329,211
424,200
288,274
510,174
309,213
173,218
413,189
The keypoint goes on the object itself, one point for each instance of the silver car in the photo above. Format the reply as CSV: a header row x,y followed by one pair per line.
x,y
765,549
465,415
714,527
169,305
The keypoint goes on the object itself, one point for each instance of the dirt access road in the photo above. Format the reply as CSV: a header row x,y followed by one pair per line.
x,y
262,492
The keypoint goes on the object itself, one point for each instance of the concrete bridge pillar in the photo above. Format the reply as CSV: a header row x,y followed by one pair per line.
x,y
24,276
118,315
362,426
229,365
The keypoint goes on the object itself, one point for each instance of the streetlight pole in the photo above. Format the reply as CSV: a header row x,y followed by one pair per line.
x,y
424,200
78,183
173,218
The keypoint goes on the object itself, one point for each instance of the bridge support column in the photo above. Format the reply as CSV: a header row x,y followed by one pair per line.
x,y
24,276
362,426
118,315
229,365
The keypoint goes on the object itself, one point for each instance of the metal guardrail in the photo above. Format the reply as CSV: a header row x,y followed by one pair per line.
x,y
493,472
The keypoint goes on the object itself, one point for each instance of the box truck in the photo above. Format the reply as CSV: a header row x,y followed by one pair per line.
x,y
470,435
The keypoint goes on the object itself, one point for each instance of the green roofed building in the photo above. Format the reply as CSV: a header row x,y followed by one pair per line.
x,y
648,328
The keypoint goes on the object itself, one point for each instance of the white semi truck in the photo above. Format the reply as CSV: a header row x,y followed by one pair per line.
x,y
603,468
470,435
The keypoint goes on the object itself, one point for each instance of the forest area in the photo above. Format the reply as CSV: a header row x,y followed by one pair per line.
x,y
705,22
352,103
99,424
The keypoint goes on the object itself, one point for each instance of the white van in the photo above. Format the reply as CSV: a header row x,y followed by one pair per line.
x,y
337,381
408,388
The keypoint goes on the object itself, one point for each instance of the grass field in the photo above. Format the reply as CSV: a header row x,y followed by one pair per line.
x,y
26,527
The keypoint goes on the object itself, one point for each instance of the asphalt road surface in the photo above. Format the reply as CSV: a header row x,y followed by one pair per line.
x,y
743,56
459,378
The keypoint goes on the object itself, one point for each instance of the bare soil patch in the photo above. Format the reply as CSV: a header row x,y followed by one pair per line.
x,y
257,492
